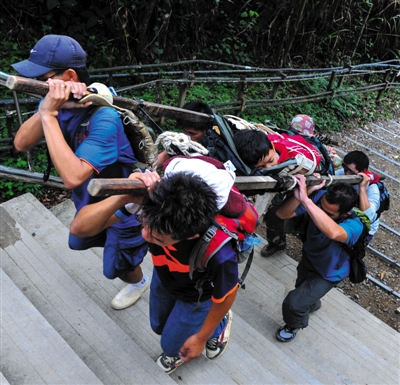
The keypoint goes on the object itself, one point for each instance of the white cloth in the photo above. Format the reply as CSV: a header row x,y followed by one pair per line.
x,y
221,181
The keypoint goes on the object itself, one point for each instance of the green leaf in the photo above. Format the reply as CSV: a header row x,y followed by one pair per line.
x,y
92,22
52,4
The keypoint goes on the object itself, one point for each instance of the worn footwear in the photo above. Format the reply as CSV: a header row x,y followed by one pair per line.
x,y
315,306
271,249
168,364
129,295
215,347
286,333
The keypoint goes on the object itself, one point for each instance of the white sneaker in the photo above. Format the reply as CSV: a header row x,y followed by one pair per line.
x,y
129,295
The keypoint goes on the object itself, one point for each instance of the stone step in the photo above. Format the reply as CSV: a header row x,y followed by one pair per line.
x,y
3,380
49,231
343,334
32,351
96,339
343,343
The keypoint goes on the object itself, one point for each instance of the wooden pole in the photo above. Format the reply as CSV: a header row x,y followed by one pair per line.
x,y
39,89
245,184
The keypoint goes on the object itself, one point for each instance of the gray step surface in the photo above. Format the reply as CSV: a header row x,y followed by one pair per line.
x,y
342,344
28,337
338,323
97,340
352,340
3,380
47,229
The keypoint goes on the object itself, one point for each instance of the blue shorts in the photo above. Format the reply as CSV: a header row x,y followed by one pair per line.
x,y
124,248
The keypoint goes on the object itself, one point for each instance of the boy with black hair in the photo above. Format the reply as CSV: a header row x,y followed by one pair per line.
x,y
324,261
196,130
357,163
177,210
84,143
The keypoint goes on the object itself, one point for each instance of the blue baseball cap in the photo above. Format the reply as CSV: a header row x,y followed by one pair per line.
x,y
52,52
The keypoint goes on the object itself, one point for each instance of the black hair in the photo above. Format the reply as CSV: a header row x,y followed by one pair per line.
x,y
343,195
82,73
197,107
252,146
358,158
181,205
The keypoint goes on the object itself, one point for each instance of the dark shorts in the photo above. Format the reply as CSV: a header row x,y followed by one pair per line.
x,y
124,248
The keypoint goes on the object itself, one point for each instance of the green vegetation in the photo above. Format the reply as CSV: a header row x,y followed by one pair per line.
x,y
258,33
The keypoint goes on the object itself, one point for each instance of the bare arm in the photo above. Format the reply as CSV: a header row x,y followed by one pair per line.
x,y
326,224
73,171
363,198
289,206
195,344
94,218
29,134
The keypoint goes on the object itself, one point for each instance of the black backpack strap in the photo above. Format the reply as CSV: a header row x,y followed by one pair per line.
x,y
246,269
226,133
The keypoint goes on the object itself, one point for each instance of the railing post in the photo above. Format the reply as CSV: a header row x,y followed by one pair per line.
x,y
350,68
182,95
385,80
278,84
110,74
184,87
331,80
20,121
241,89
159,97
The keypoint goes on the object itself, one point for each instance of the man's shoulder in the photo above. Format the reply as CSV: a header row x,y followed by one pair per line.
x,y
104,112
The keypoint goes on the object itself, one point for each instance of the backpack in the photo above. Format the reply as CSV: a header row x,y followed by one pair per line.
x,y
223,230
297,153
326,166
140,137
221,146
384,199
358,270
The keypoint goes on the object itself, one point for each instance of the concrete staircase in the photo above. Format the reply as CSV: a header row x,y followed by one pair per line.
x,y
57,325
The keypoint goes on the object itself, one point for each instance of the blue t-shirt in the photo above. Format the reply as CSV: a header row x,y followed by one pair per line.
x,y
326,255
172,265
98,138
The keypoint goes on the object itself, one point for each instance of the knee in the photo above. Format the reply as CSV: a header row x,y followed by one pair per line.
x,y
290,302
156,327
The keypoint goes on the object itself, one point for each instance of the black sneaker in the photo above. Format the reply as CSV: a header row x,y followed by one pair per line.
x,y
271,249
169,364
286,333
215,347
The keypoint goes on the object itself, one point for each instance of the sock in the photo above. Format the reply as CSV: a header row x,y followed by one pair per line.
x,y
141,283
